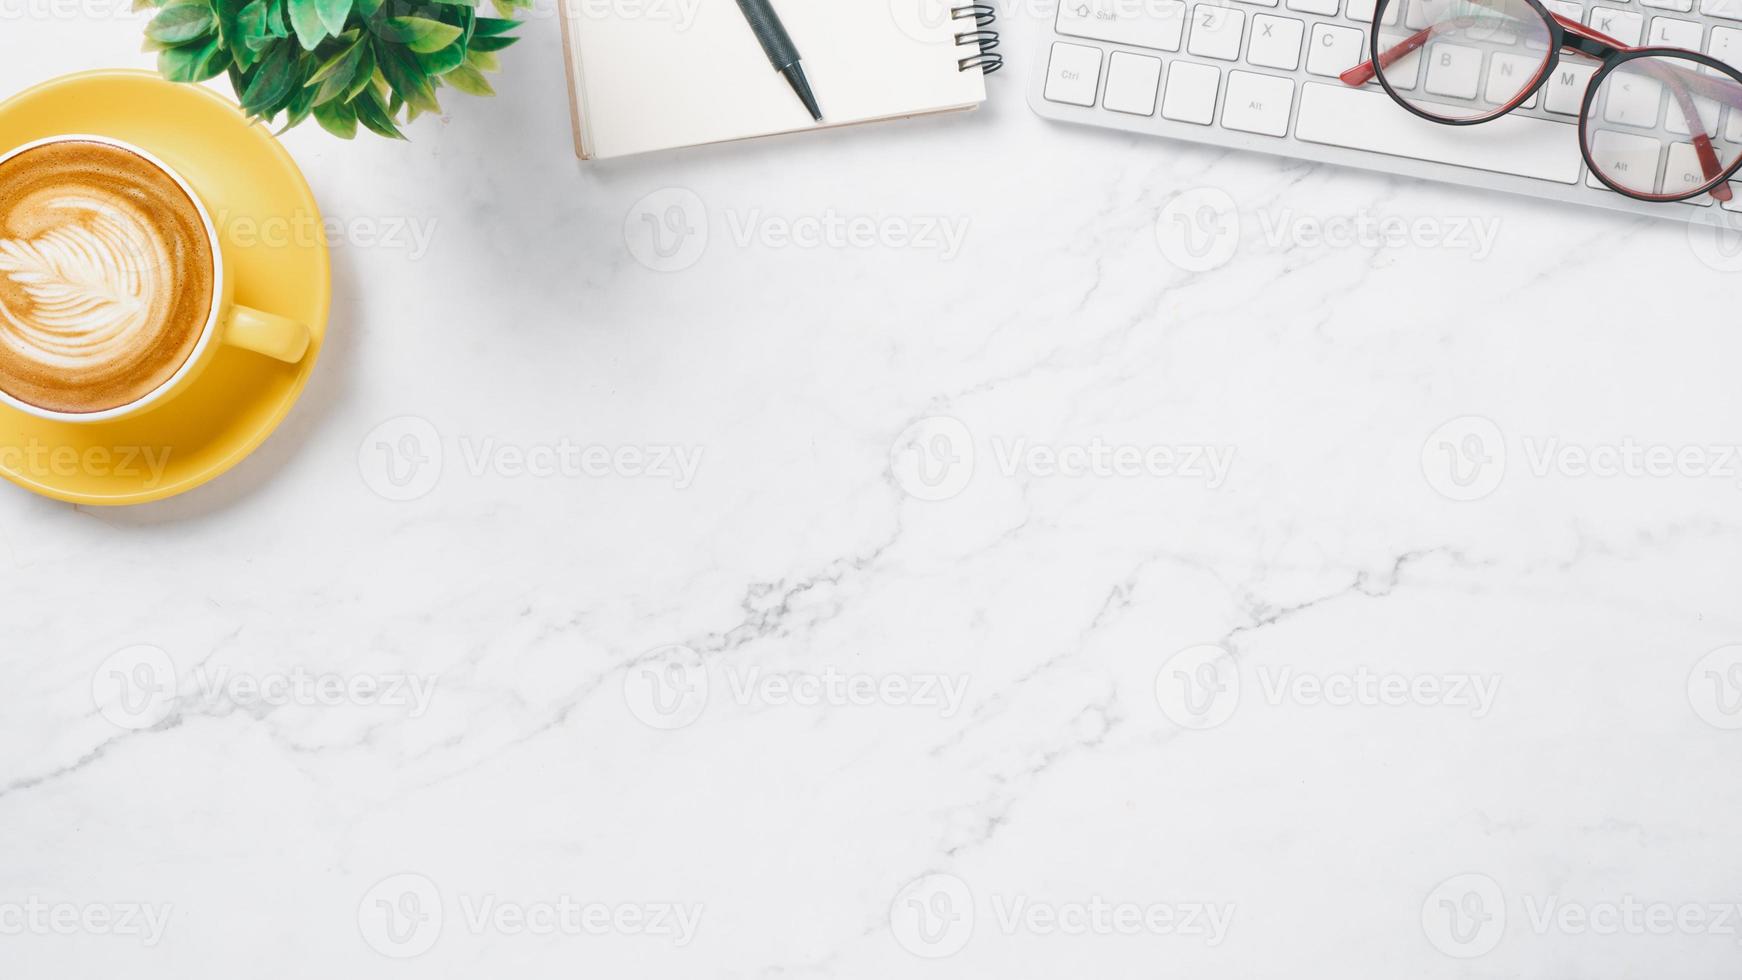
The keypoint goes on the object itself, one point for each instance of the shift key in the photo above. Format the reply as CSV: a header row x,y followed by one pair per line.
x,y
1367,119
1140,23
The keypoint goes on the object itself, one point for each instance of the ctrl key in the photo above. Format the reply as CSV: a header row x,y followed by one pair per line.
x,y
1072,74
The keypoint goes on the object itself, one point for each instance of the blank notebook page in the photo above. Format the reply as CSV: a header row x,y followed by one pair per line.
x,y
657,74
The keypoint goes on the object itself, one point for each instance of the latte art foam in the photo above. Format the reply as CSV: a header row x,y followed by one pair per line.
x,y
105,276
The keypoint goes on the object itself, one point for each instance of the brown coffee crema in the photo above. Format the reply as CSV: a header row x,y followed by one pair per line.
x,y
105,277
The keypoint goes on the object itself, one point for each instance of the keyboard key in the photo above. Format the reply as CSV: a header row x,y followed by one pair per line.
x,y
1150,24
1191,93
1216,32
1726,46
1671,32
1509,73
1622,25
1132,82
1684,172
1367,119
1453,71
1334,50
1631,98
1682,5
1566,88
1362,11
1570,9
1723,9
1258,103
1260,3
1275,42
1420,13
1073,73
1628,159
1326,8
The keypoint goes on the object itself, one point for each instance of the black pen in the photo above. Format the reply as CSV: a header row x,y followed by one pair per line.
x,y
779,48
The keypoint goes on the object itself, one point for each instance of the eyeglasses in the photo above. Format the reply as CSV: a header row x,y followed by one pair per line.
x,y
1655,123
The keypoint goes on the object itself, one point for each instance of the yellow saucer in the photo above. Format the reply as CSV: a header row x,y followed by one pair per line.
x,y
269,226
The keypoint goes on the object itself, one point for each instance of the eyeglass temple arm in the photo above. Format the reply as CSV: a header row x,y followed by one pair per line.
x,y
1679,81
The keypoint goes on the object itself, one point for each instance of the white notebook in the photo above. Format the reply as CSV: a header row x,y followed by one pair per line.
x,y
657,74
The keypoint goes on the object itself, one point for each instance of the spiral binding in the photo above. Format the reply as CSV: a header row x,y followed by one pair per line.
x,y
985,41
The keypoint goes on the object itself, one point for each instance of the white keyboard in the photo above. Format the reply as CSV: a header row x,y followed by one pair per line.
x,y
1262,75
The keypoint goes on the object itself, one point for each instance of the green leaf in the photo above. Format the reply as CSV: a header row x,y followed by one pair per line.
x,y
336,77
368,8
276,24
365,72
333,14
343,62
191,62
405,75
272,82
302,103
492,26
489,44
230,29
337,118
305,20
180,23
251,26
443,61
469,80
374,117
421,34
483,61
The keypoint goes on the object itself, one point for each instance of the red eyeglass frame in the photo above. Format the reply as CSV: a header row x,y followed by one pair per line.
x,y
1570,35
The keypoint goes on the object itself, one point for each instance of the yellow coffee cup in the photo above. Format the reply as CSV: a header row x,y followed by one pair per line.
x,y
227,323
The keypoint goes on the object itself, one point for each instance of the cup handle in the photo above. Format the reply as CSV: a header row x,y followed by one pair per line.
x,y
266,333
